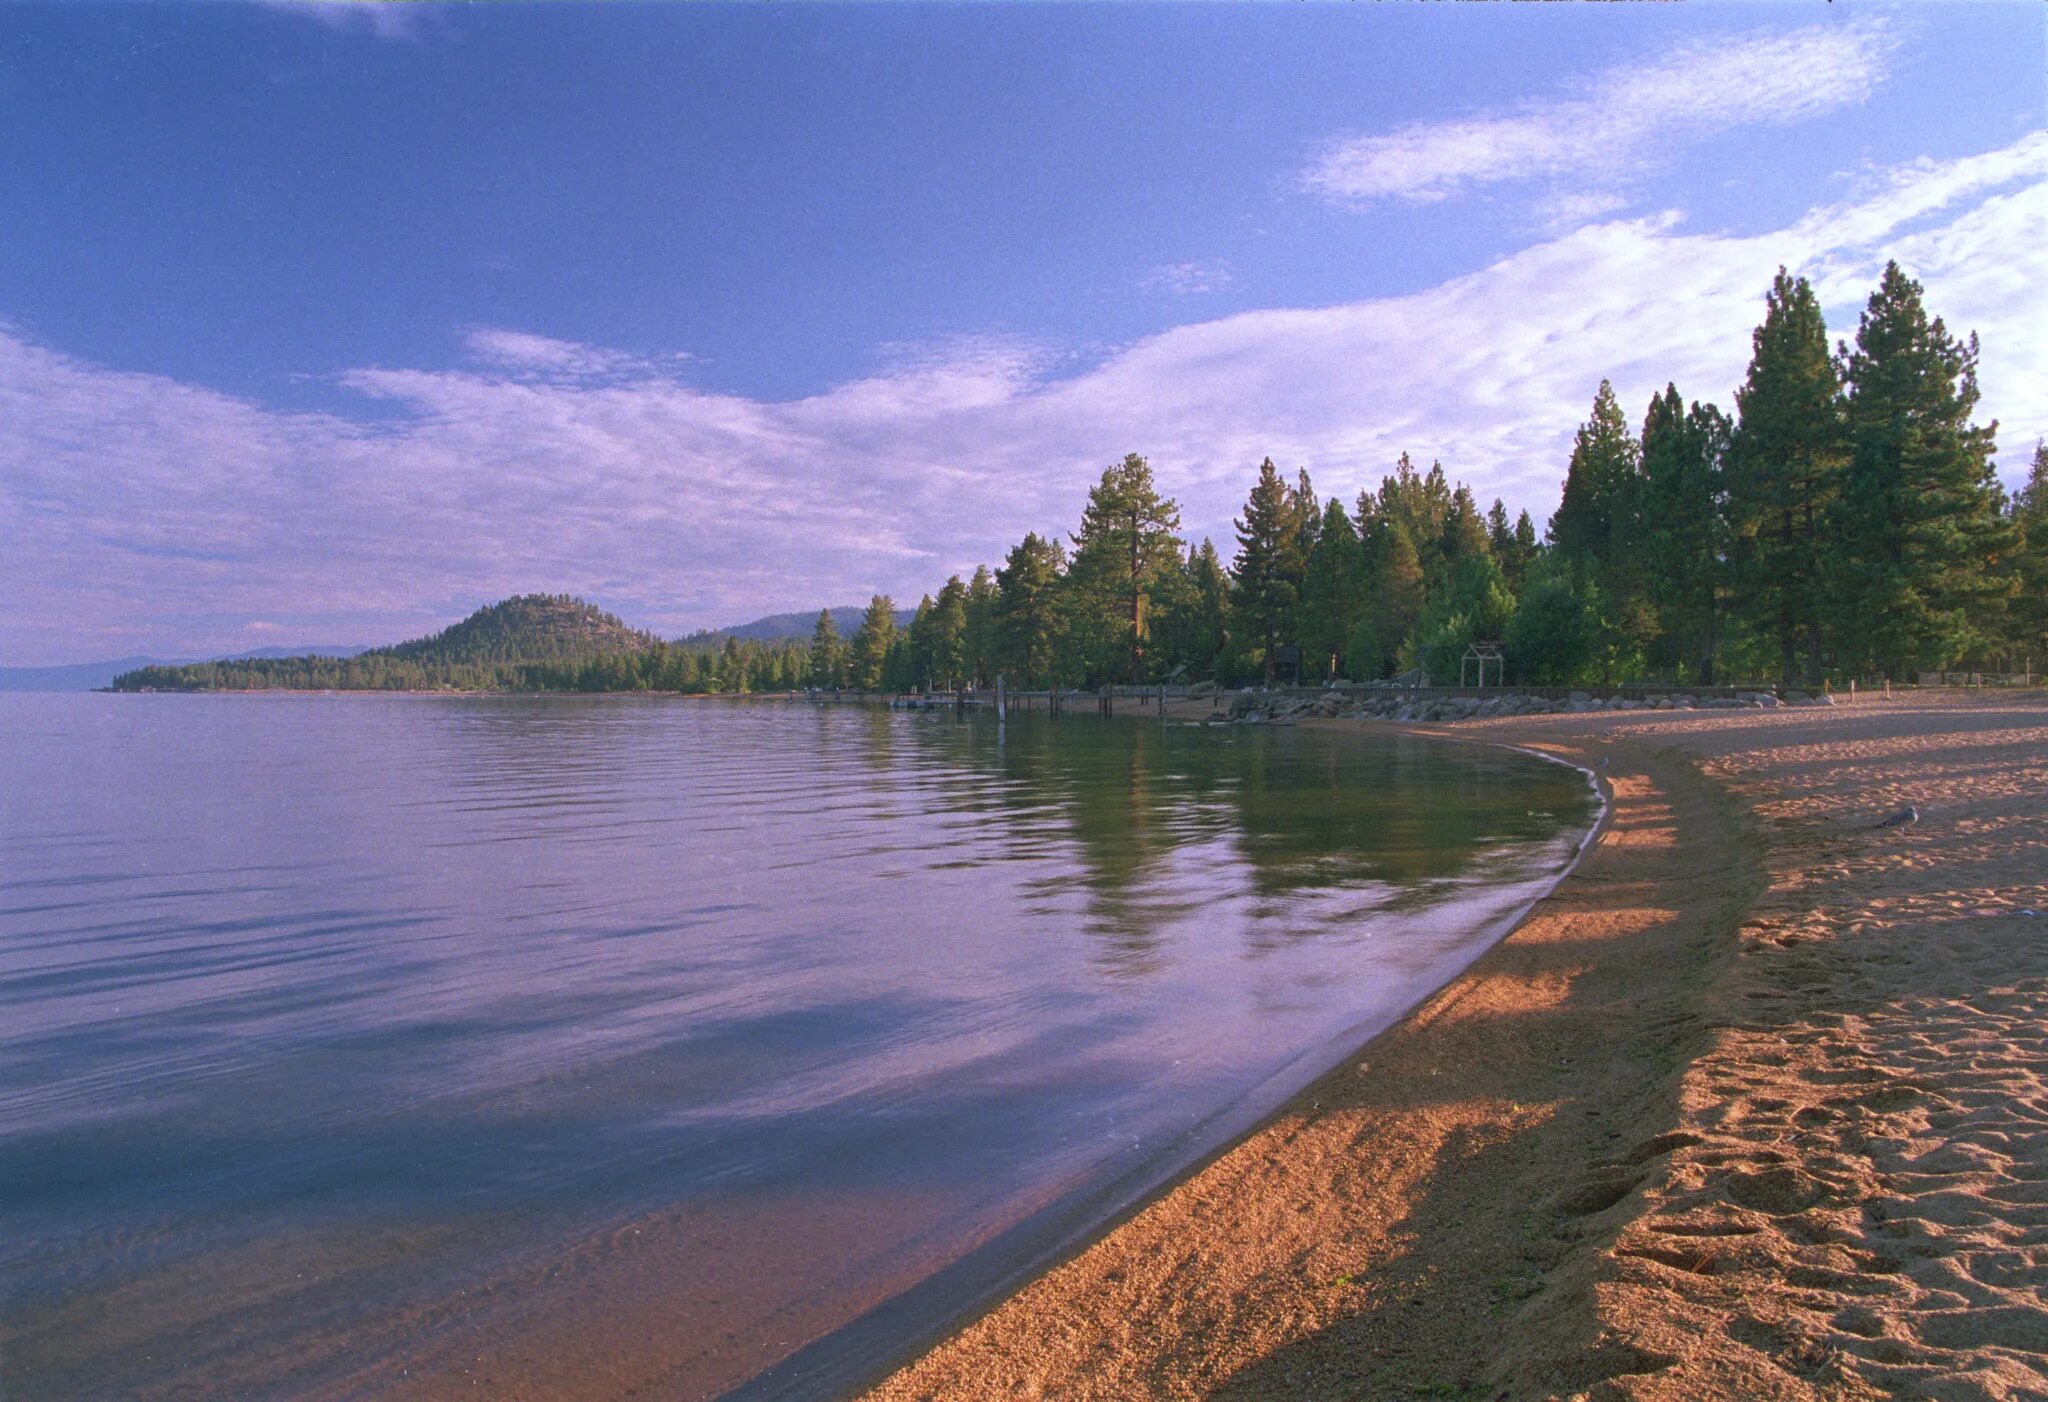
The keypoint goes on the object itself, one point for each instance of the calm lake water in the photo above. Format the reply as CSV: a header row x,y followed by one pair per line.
x,y
548,1046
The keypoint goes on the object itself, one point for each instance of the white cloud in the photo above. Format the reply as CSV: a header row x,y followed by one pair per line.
x,y
386,19
142,514
523,353
1189,279
1617,123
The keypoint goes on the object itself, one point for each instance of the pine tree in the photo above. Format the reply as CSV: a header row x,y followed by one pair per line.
x,y
1513,546
1028,623
827,654
898,670
1393,601
1306,515
1127,544
916,664
1684,525
872,641
1921,545
1592,521
1417,502
1332,586
1526,543
1267,571
947,629
2028,626
1209,612
1785,465
1464,534
980,640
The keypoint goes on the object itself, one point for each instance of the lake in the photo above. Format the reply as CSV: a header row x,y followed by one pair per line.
x,y
593,1046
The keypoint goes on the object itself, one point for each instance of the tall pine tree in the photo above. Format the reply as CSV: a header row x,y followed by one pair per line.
x,y
947,630
1267,571
827,653
1332,586
1127,545
872,642
1029,623
2029,624
980,641
1920,543
1785,465
1593,520
1684,526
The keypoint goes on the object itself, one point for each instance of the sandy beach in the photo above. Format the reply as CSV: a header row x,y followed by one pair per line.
x,y
1754,1105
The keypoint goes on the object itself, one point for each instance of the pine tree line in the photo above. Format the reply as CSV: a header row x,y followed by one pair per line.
x,y
1845,521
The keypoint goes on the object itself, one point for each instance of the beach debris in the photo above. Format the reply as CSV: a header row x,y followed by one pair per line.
x,y
1904,817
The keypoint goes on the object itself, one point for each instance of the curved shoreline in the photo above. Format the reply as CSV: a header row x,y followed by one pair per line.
x,y
857,1356
1286,1264
1751,1108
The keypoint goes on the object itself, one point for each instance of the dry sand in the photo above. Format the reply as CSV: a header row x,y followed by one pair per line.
x,y
1755,1105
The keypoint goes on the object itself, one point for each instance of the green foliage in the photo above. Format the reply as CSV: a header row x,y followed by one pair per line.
x,y
1683,529
979,639
1550,641
1126,550
1393,601
1919,550
1595,518
1196,634
1784,472
1474,605
1332,591
872,642
527,628
828,655
1030,627
2028,627
1270,562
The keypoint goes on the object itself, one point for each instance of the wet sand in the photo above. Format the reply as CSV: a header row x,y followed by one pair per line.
x,y
1754,1105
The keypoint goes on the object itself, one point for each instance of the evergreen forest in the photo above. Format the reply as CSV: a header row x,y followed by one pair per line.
x,y
1842,519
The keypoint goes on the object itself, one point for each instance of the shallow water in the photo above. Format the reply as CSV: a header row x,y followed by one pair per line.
x,y
550,1045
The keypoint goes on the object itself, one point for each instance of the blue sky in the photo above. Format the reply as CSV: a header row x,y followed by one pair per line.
x,y
329,322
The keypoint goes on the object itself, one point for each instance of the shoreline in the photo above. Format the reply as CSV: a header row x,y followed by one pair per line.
x,y
1469,1204
858,1356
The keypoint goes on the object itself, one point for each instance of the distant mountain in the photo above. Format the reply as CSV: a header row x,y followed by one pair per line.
x,y
777,626
91,676
527,628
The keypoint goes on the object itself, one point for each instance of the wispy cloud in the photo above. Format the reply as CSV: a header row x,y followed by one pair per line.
x,y
143,514
524,353
1615,124
386,19
1190,279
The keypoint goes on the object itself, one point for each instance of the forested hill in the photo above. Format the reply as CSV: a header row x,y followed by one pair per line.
x,y
527,628
531,642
